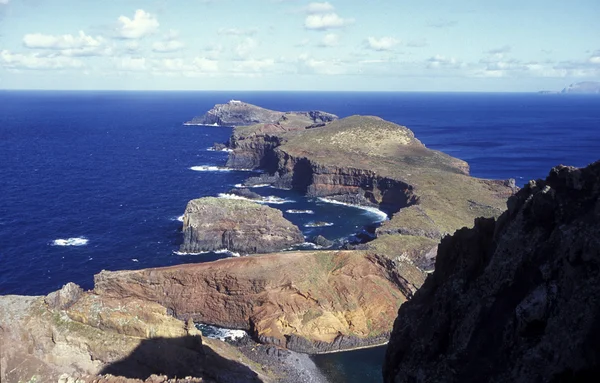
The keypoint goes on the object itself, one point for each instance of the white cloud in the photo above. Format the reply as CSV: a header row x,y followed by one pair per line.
x,y
142,24
37,62
246,47
69,45
309,65
237,32
206,65
167,46
500,51
438,61
382,44
199,66
41,41
4,2
326,21
595,58
330,40
324,7
253,65
133,64
170,43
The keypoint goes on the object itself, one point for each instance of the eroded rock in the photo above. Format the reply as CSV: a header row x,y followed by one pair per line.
x,y
512,300
211,224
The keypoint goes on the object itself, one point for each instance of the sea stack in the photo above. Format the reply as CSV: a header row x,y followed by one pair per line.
x,y
238,225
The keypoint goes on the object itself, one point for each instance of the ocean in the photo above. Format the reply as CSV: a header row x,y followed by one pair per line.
x,y
98,180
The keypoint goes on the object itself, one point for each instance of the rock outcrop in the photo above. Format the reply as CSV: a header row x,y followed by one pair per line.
x,y
237,113
305,301
46,339
211,224
513,299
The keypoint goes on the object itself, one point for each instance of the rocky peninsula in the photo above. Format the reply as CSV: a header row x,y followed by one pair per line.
x,y
211,224
512,299
368,161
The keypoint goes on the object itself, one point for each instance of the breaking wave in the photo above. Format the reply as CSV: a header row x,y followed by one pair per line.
x,y
381,215
294,211
264,200
318,224
223,334
221,251
78,241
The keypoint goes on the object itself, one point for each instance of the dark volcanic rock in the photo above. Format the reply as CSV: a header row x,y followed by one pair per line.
x,y
319,240
512,300
211,224
246,193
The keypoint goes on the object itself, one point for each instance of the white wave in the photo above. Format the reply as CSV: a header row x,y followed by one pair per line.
x,y
211,149
134,259
179,218
239,186
220,251
264,200
373,210
220,333
294,211
259,186
208,168
78,241
318,224
192,124
228,252
276,200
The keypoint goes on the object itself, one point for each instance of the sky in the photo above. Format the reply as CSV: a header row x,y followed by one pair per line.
x,y
337,45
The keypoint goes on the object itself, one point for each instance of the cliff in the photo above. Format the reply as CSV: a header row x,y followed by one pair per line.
x,y
237,113
369,161
305,301
513,299
71,334
211,224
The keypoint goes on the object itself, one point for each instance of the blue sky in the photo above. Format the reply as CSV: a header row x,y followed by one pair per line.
x,y
379,45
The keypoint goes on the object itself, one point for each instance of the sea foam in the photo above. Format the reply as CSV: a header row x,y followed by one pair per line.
x,y
318,224
294,211
380,214
210,168
220,251
264,200
77,241
220,333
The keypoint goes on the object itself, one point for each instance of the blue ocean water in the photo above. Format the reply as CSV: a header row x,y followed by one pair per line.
x,y
113,168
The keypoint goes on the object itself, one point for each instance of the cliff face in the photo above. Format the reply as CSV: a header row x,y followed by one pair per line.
x,y
368,161
211,224
305,301
79,334
512,300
